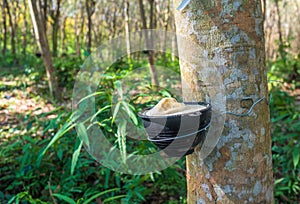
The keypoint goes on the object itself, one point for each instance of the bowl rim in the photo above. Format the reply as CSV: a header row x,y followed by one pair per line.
x,y
142,114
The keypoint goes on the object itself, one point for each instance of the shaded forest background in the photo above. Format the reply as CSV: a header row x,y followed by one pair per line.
x,y
30,118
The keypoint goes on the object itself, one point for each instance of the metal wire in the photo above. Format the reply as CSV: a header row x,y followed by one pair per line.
x,y
250,110
183,4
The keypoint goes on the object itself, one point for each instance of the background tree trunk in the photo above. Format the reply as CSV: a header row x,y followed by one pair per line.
x,y
239,169
77,29
281,44
55,15
4,27
43,4
127,30
42,41
150,54
12,29
90,9
64,48
24,29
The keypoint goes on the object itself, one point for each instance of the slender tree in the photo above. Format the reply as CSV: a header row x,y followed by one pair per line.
x,y
12,28
239,169
79,16
5,33
41,38
281,45
64,34
43,5
90,10
153,73
24,29
55,16
127,29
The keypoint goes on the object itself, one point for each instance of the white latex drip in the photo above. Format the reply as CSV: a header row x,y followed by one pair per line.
x,y
169,106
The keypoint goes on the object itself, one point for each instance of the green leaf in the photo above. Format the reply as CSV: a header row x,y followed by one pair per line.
x,y
165,93
130,112
65,198
121,134
100,111
75,157
118,85
278,181
107,177
279,118
140,196
114,198
91,95
12,200
117,108
296,157
65,128
100,194
82,133
60,153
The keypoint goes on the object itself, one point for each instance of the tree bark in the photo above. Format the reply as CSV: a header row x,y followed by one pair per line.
x,y
239,169
151,25
24,29
127,31
64,48
4,28
281,45
78,28
40,34
55,15
43,4
12,29
90,9
154,79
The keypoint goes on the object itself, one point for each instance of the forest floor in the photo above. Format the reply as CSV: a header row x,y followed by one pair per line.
x,y
19,105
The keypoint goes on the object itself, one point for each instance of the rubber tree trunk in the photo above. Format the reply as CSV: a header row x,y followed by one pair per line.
x,y
64,48
24,29
42,42
281,44
12,28
239,169
55,15
127,31
90,9
152,69
79,25
4,27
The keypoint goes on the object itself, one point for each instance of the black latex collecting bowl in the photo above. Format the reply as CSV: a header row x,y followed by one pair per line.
x,y
178,135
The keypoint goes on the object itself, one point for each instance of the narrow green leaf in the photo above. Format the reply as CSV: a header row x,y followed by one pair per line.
x,y
65,128
114,198
75,157
116,110
279,181
140,196
107,176
296,157
118,85
64,198
130,112
91,95
12,200
100,111
100,194
82,133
